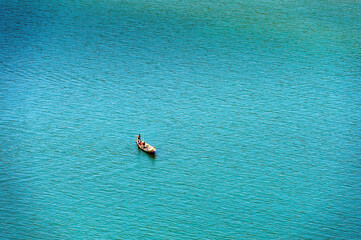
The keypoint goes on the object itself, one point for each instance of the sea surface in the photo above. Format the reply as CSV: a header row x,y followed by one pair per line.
x,y
254,108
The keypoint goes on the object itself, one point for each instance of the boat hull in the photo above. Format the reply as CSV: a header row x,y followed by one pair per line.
x,y
146,147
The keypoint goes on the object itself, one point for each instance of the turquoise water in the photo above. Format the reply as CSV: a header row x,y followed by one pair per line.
x,y
253,106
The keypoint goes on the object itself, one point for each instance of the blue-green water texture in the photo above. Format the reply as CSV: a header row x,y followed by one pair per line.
x,y
253,106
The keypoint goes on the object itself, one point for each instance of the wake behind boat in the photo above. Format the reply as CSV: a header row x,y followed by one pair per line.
x,y
145,146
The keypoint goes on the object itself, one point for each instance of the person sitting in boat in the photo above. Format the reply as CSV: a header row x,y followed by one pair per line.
x,y
138,136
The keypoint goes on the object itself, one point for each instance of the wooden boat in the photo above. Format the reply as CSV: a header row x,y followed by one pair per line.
x,y
145,146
